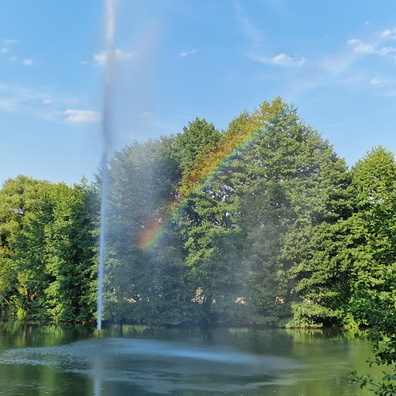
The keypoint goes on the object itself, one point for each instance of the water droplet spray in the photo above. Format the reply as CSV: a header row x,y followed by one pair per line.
x,y
110,63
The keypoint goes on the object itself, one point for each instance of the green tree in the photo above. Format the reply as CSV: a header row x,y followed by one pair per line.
x,y
71,254
375,307
192,146
205,213
340,258
289,178
55,256
373,188
20,200
265,184
144,261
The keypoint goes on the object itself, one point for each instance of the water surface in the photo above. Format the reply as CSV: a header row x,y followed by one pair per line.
x,y
130,360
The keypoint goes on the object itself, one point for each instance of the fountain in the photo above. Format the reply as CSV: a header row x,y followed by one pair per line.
x,y
131,360
106,135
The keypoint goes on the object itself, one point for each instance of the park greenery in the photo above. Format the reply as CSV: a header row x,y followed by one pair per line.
x,y
259,224
262,224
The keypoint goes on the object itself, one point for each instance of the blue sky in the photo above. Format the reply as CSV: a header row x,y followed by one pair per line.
x,y
179,59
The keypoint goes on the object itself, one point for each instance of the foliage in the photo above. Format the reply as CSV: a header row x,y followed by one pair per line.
x,y
51,259
374,305
20,200
378,312
259,224
341,256
289,177
145,275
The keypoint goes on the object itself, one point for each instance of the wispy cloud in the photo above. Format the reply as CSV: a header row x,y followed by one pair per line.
x,y
377,46
360,47
82,116
20,99
43,103
384,51
389,34
9,41
101,57
188,53
7,47
258,50
248,29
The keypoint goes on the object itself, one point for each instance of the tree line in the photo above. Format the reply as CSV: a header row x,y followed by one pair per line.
x,y
259,224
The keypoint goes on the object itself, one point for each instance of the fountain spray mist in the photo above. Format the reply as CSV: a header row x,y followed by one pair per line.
x,y
110,61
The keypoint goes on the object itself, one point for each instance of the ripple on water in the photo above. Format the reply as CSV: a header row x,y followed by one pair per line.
x,y
161,366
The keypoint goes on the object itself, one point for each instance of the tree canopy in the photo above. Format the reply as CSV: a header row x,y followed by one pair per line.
x,y
262,223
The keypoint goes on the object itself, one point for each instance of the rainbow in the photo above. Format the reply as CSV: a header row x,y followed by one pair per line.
x,y
207,169
210,167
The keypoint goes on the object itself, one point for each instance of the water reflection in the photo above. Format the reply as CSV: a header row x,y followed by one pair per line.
x,y
142,361
160,367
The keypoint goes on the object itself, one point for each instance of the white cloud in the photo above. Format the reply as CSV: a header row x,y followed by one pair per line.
x,y
188,53
42,103
248,29
376,81
287,61
21,99
258,51
8,41
7,44
389,34
120,55
280,59
386,50
361,48
27,62
353,41
81,116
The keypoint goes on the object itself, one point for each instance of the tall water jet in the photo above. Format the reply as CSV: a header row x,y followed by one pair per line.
x,y
110,60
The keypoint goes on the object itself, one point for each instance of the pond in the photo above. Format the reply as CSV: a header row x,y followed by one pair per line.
x,y
135,360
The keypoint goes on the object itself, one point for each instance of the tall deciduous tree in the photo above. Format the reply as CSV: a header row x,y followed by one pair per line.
x,y
71,254
55,256
20,200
